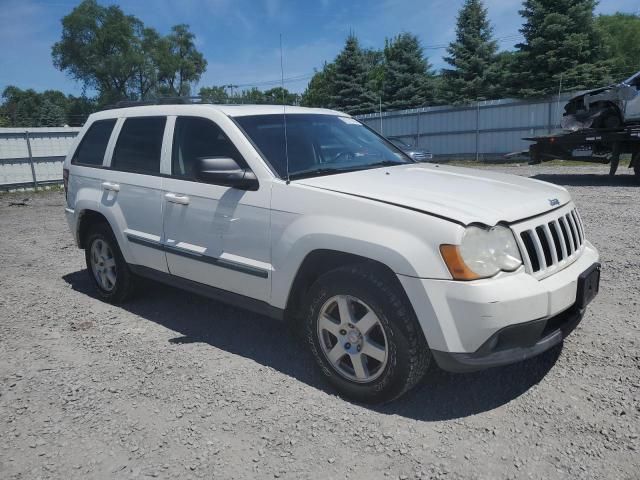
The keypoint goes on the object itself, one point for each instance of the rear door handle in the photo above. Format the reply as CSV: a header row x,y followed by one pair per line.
x,y
175,198
114,187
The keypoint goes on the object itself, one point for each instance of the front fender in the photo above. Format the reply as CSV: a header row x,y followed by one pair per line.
x,y
403,251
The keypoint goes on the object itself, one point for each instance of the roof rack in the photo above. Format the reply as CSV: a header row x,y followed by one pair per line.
x,y
160,101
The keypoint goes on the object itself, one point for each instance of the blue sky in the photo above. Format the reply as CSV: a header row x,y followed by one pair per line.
x,y
240,38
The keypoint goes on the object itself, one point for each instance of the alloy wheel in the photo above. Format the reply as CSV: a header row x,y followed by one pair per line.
x,y
352,338
103,265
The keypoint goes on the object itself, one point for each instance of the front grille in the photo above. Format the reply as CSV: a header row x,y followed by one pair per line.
x,y
551,242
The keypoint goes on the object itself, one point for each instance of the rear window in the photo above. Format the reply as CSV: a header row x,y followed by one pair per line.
x,y
139,145
94,143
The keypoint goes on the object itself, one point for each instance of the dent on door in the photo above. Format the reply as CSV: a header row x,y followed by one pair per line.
x,y
219,242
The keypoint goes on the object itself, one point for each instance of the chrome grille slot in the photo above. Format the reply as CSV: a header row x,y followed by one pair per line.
x,y
550,242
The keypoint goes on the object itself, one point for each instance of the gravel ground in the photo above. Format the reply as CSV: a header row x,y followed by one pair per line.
x,y
172,385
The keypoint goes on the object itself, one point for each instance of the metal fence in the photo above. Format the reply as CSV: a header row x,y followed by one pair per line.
x,y
484,130
32,157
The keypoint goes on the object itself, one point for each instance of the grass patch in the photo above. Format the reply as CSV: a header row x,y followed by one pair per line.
x,y
31,191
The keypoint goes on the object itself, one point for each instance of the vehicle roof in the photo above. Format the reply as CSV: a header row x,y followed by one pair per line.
x,y
193,109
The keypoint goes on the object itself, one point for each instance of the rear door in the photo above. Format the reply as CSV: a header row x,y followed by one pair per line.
x,y
215,235
132,189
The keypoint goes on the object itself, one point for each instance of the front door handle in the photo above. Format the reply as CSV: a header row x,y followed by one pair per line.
x,y
175,198
114,187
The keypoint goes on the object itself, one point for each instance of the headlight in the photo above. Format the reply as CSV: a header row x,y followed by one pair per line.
x,y
482,253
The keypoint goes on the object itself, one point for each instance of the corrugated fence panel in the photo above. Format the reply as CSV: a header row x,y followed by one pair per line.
x,y
486,129
49,147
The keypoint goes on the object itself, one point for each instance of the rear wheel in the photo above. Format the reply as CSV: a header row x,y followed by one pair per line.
x,y
106,266
636,165
364,335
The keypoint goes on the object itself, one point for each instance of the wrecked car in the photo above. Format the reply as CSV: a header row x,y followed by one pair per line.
x,y
417,153
606,108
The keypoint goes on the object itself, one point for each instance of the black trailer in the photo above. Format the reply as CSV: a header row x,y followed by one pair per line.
x,y
589,145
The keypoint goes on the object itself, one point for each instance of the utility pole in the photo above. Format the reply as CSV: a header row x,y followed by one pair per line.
x,y
559,93
478,130
380,112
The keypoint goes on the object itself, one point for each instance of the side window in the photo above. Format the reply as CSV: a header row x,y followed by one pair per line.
x,y
94,143
139,145
196,138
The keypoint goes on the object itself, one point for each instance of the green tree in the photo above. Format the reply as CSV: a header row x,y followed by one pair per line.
x,y
561,42
120,58
374,62
251,96
275,96
22,107
318,91
504,67
214,94
145,80
472,56
50,114
98,48
350,90
51,108
78,109
180,63
621,33
407,81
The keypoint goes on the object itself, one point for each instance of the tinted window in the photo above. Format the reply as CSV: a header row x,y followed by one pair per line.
x,y
94,143
319,144
195,138
139,145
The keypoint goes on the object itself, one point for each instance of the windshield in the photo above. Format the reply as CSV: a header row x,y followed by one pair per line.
x,y
318,144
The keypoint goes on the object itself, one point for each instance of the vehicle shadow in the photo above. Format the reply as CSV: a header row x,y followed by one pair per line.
x,y
196,319
589,179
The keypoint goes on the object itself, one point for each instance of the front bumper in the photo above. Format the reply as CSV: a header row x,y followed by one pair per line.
x,y
513,344
460,319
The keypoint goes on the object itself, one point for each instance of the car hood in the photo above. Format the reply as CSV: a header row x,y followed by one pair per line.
x,y
460,194
592,92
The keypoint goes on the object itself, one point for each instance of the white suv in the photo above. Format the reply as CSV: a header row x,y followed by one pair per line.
x,y
309,216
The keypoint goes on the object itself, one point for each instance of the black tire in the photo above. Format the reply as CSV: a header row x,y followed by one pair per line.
x,y
610,120
636,165
408,355
123,286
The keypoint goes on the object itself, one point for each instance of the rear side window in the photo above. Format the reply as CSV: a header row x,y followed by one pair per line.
x,y
139,145
94,143
195,138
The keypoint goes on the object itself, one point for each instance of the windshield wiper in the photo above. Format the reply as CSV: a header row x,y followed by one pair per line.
x,y
321,171
385,163
330,171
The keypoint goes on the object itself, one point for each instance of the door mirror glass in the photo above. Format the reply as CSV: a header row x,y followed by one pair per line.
x,y
226,172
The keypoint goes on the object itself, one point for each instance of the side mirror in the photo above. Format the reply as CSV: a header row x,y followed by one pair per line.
x,y
226,172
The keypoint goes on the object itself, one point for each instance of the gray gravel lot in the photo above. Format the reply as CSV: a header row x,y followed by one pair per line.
x,y
173,385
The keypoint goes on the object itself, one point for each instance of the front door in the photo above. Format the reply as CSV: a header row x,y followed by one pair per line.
x,y
215,235
132,189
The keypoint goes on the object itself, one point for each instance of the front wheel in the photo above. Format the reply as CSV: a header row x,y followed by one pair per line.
x,y
364,335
